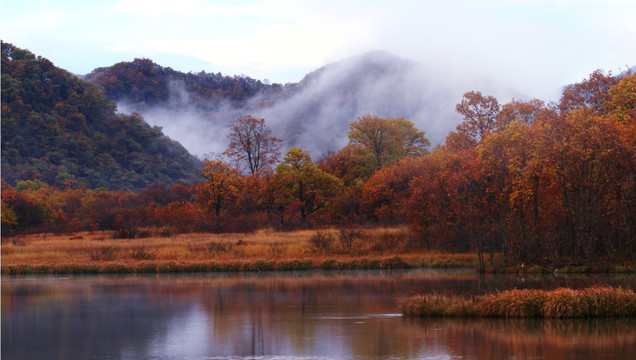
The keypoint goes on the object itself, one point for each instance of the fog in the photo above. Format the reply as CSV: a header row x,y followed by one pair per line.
x,y
314,114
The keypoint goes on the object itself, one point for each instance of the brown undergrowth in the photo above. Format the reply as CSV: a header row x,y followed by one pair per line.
x,y
263,250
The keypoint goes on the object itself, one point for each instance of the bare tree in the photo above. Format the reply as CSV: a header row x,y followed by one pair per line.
x,y
251,143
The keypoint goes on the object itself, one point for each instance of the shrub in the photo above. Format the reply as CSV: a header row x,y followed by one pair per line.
x,y
321,242
395,262
220,248
142,254
278,250
131,233
347,237
107,253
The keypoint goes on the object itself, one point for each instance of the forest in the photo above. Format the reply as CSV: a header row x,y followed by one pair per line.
x,y
536,182
57,128
145,84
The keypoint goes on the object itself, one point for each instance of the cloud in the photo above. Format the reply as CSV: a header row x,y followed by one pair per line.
x,y
315,114
262,39
536,46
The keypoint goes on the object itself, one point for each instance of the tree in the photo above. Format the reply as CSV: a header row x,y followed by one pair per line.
x,y
348,164
591,93
387,140
622,102
526,112
591,168
9,219
251,143
513,176
448,205
480,115
303,184
221,185
385,194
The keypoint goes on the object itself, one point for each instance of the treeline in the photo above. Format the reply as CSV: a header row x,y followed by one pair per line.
x,y
242,191
539,183
57,128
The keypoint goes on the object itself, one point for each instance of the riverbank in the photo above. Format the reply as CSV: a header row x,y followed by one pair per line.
x,y
264,250
595,301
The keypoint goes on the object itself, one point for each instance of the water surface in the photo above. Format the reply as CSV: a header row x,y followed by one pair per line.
x,y
303,315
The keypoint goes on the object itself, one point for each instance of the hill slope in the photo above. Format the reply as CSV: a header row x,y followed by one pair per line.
x,y
56,128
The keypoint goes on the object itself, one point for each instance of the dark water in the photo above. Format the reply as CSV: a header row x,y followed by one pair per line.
x,y
310,315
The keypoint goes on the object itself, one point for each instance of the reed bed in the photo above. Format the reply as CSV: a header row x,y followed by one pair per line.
x,y
263,250
596,301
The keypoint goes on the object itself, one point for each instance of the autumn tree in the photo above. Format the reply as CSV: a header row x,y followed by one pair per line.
x,y
348,164
622,101
591,168
384,196
387,140
592,92
448,205
9,219
303,185
219,187
252,144
513,174
480,115
526,112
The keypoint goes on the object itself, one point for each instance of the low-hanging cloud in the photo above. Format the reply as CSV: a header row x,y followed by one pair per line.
x,y
315,113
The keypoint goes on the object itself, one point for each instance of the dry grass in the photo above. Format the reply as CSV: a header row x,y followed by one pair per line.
x,y
262,250
560,303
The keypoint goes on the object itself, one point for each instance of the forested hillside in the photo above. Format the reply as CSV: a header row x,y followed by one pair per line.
x,y
58,129
144,84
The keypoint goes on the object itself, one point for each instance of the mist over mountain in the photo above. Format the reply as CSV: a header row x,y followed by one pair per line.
x,y
313,114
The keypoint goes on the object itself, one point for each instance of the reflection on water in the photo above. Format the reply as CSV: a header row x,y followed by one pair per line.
x,y
309,315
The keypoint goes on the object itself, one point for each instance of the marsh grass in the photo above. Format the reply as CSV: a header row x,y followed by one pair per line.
x,y
322,249
106,253
561,303
142,254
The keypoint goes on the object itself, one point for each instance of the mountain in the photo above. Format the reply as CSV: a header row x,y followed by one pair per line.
x,y
313,113
58,128
144,84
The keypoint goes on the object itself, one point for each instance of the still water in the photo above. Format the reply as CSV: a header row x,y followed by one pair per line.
x,y
304,315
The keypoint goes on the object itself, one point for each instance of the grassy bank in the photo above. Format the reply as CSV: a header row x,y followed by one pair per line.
x,y
560,303
265,250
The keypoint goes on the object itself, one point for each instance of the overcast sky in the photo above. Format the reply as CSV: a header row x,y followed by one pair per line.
x,y
533,46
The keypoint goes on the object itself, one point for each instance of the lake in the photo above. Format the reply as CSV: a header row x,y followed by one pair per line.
x,y
289,315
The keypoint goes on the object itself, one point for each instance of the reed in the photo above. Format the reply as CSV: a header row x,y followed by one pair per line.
x,y
561,303
437,305
263,250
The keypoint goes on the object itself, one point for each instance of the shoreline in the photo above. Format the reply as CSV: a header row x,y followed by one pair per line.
x,y
259,265
266,250
262,265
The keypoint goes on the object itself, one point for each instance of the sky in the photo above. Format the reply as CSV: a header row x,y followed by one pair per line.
x,y
532,46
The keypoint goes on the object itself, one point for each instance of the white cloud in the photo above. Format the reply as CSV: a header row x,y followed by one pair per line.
x,y
533,45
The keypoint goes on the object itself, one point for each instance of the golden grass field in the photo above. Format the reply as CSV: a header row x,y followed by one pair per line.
x,y
266,249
